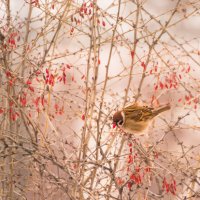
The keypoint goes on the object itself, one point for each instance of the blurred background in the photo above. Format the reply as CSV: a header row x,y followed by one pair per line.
x,y
66,67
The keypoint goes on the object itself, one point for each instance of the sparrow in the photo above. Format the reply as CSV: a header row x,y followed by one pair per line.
x,y
136,118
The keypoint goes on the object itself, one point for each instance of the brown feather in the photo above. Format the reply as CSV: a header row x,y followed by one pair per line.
x,y
138,113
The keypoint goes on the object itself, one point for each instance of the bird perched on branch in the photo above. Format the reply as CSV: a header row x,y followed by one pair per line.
x,y
135,118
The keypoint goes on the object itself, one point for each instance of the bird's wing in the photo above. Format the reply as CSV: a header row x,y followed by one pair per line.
x,y
138,113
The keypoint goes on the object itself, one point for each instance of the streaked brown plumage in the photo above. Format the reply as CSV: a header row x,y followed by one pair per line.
x,y
135,118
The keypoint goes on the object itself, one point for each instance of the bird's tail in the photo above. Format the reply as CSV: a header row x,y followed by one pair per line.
x,y
161,109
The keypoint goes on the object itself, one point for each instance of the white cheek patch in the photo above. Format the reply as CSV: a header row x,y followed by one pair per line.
x,y
123,115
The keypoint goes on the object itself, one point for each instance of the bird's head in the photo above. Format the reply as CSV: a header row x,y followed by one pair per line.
x,y
118,119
